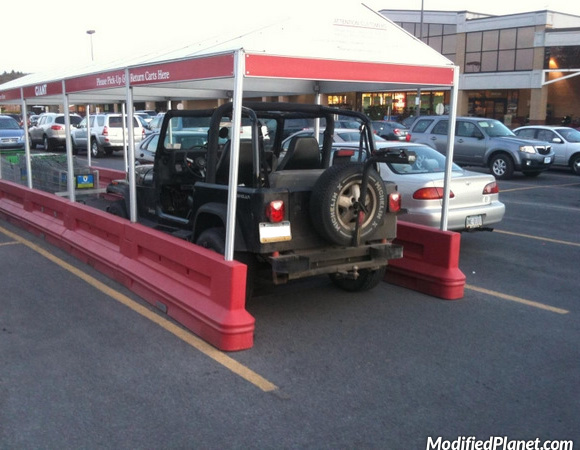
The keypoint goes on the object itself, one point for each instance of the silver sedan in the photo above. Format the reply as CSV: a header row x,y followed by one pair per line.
x,y
474,199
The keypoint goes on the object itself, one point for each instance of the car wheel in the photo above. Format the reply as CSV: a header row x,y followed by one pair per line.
x,y
575,164
96,150
118,208
502,166
215,239
334,198
366,280
31,142
46,143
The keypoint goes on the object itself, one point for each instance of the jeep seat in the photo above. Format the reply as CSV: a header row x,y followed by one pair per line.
x,y
303,154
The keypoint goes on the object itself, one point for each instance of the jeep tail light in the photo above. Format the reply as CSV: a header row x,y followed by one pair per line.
x,y
275,211
491,188
57,127
394,202
344,153
105,131
431,193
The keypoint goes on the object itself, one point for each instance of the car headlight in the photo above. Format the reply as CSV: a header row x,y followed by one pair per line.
x,y
527,149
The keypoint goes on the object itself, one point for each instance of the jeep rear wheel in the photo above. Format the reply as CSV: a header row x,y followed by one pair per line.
x,y
333,203
367,279
215,239
502,166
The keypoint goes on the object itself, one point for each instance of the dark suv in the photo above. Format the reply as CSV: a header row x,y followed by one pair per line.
x,y
485,142
296,215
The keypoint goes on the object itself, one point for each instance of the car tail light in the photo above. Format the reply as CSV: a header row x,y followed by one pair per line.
x,y
394,202
105,131
491,188
431,193
397,132
344,153
57,127
408,137
275,211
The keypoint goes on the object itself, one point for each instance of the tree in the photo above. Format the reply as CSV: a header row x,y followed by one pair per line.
x,y
6,77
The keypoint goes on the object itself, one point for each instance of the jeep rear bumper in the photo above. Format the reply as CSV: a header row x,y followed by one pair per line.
x,y
344,260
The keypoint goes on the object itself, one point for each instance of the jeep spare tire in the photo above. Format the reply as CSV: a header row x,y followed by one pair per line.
x,y
332,204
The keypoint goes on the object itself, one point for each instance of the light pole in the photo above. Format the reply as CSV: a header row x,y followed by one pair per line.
x,y
90,33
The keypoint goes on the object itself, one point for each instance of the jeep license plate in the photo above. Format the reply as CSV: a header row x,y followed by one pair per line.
x,y
275,232
474,221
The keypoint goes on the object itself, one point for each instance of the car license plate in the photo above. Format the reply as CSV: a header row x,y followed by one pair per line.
x,y
474,221
85,181
275,232
547,160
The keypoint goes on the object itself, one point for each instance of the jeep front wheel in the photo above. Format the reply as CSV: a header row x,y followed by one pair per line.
x,y
502,166
333,204
367,279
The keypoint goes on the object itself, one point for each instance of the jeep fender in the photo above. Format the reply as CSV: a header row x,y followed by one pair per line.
x,y
121,190
213,215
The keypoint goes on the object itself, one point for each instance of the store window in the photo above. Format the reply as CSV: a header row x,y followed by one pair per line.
x,y
503,50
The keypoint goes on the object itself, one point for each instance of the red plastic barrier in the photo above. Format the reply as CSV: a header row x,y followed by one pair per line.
x,y
107,175
195,286
430,262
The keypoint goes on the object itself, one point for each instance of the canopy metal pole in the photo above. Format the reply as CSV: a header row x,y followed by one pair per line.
x,y
69,155
124,126
450,147
239,70
88,117
130,151
26,143
317,100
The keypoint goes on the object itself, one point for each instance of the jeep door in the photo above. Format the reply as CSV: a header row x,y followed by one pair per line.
x,y
470,144
79,134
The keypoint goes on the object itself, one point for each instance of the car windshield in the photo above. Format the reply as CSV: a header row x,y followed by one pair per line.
x,y
7,123
494,128
427,161
570,134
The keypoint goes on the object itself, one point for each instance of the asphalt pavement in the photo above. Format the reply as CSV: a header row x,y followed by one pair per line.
x,y
87,364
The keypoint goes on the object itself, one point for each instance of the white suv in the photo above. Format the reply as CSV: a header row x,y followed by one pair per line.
x,y
107,134
50,130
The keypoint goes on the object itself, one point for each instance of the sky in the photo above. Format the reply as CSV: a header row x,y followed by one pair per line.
x,y
53,35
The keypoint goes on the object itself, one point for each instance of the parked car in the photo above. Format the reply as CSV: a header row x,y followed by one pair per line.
x,y
340,135
107,134
50,131
485,142
565,143
155,124
11,133
474,198
391,131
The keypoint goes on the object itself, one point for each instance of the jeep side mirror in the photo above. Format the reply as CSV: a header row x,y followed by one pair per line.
x,y
557,140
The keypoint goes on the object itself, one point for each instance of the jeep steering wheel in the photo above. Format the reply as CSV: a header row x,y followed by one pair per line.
x,y
195,165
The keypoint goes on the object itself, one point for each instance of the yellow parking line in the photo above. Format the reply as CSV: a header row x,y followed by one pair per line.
x,y
538,238
2,244
517,299
218,356
527,188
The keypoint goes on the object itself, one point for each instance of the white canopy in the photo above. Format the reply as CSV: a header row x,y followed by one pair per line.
x,y
326,50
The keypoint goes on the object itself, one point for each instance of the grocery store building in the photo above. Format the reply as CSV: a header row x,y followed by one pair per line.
x,y
515,68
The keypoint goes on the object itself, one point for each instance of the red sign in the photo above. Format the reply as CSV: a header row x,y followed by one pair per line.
x,y
12,94
104,80
192,69
320,69
43,89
